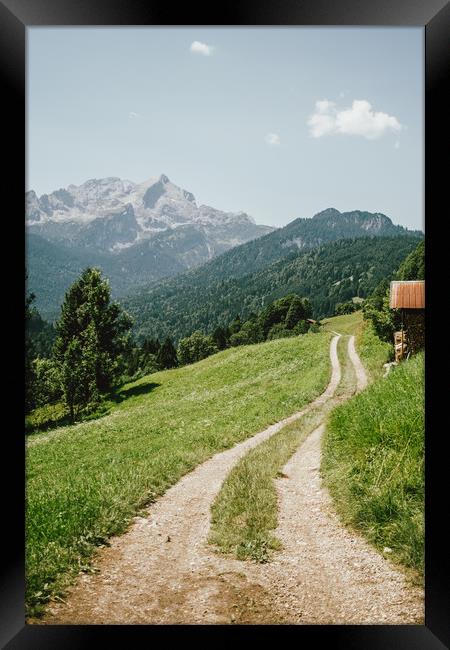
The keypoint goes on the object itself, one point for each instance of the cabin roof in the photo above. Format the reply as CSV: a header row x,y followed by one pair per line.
x,y
407,294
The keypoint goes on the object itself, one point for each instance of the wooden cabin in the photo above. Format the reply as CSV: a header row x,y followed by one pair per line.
x,y
409,297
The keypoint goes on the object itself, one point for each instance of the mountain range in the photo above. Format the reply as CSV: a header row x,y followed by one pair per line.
x,y
137,232
141,235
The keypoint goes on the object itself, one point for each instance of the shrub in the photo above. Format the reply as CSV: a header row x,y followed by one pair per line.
x,y
47,382
195,347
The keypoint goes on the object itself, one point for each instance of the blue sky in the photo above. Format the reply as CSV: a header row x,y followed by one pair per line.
x,y
278,122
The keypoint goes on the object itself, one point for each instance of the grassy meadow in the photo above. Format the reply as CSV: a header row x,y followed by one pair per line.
x,y
373,351
85,482
345,324
373,462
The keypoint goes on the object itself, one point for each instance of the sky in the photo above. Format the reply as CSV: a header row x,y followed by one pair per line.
x,y
276,122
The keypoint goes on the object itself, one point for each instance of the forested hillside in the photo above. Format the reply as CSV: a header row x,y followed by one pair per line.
x,y
53,264
298,236
53,267
327,275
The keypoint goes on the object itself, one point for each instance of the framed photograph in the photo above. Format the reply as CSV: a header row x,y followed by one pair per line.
x,y
228,413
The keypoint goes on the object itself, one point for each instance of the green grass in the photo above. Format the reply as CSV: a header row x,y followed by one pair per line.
x,y
346,324
373,462
373,351
244,514
85,482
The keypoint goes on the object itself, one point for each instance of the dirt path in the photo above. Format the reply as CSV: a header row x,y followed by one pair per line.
x,y
333,575
361,376
143,577
163,571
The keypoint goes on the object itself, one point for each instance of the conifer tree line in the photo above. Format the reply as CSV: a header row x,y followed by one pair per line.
x,y
91,351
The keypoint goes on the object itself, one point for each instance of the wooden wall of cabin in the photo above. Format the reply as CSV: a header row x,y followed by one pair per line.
x,y
414,324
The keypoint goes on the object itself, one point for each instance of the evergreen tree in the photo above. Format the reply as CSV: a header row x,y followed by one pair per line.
x,y
91,337
41,333
151,346
295,312
250,332
235,325
29,356
345,308
220,338
167,355
48,386
79,377
413,267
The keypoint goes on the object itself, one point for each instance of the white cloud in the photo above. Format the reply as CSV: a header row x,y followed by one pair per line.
x,y
359,119
132,115
201,48
272,139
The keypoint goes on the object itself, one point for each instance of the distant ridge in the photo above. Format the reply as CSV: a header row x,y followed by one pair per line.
x,y
248,277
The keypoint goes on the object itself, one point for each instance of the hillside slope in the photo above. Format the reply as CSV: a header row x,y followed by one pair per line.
x,y
298,235
85,482
182,237
205,298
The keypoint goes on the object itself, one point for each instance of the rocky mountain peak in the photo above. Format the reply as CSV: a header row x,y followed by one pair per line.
x,y
110,214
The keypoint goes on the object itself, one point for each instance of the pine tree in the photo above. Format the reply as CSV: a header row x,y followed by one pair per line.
x,y
91,337
220,338
78,376
295,312
29,356
167,355
235,325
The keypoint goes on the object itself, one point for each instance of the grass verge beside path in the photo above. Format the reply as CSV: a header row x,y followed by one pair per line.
x,y
373,462
245,512
372,351
85,482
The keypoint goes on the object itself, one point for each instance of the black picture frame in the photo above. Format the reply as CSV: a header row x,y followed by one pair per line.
x,y
434,16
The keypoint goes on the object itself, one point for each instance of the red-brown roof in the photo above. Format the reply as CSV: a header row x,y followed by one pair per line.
x,y
407,294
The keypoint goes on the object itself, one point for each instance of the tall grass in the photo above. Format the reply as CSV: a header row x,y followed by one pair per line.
x,y
373,351
85,482
373,462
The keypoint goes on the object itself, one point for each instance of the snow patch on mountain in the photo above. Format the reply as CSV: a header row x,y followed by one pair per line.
x,y
112,214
